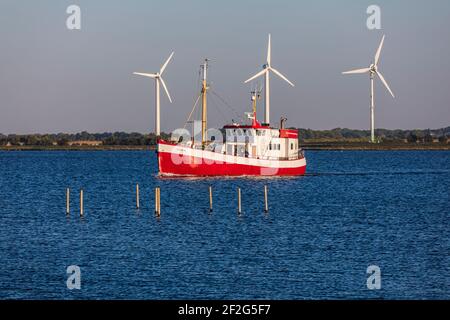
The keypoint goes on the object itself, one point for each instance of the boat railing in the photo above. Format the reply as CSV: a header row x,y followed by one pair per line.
x,y
211,148
301,154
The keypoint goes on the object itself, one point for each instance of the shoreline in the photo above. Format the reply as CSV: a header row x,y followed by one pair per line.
x,y
305,146
374,147
77,148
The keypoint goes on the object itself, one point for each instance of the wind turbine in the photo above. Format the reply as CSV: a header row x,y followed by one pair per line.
x,y
266,72
373,71
158,80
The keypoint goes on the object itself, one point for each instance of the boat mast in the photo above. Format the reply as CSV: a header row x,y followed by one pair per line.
x,y
204,101
255,96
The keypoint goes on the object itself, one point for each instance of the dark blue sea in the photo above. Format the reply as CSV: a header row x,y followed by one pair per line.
x,y
351,211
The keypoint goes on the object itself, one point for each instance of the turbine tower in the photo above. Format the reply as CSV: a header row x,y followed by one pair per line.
x,y
158,80
373,71
266,72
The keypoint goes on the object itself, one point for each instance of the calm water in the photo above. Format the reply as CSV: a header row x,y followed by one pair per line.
x,y
352,210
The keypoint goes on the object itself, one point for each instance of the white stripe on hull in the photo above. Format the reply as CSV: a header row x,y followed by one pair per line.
x,y
178,151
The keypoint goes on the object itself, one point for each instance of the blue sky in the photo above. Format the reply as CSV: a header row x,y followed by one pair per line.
x,y
56,80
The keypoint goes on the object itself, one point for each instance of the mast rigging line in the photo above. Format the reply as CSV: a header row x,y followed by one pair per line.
x,y
198,95
192,111
189,119
227,105
222,100
216,105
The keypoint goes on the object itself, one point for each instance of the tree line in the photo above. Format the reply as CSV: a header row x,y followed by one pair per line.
x,y
63,139
384,135
305,135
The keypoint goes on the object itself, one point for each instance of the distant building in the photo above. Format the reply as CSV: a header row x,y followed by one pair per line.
x,y
90,143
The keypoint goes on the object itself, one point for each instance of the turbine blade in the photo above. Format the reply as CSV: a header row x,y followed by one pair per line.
x,y
281,76
357,71
149,75
257,75
269,52
165,64
385,84
377,55
165,88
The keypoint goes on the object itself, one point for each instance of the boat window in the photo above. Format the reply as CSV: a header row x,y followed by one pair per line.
x,y
292,146
270,146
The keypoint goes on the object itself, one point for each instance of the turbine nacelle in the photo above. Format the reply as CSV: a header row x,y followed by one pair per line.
x,y
158,76
158,80
373,69
267,68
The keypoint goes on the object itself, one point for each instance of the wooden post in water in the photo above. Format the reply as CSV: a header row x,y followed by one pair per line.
x,y
239,201
137,196
157,201
266,204
210,199
81,203
67,201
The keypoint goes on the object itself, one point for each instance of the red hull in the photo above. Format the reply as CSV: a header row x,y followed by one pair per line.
x,y
195,167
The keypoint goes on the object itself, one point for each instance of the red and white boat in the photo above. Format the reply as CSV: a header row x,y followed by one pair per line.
x,y
264,152
238,149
